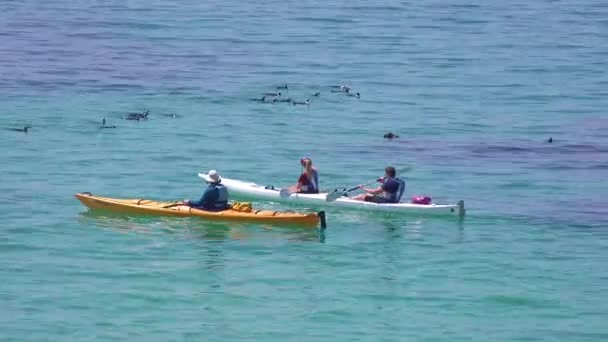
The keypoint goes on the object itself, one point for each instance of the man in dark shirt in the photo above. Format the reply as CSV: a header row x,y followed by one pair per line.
x,y
390,191
215,197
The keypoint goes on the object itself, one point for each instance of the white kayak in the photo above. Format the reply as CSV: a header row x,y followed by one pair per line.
x,y
254,190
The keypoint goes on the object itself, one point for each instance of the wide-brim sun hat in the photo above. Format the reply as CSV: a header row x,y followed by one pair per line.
x,y
211,177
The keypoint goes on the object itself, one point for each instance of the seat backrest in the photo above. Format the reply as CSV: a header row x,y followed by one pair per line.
x,y
401,188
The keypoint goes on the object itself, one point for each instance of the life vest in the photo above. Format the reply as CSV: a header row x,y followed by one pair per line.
x,y
221,202
313,184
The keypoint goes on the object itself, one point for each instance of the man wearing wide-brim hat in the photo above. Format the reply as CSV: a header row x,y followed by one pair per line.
x,y
215,198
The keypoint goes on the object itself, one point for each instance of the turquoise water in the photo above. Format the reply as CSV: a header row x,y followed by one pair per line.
x,y
473,89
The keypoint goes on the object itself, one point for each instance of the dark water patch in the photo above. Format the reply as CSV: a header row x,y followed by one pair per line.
x,y
538,148
571,166
167,158
280,124
582,148
570,110
120,87
493,85
124,77
555,218
379,8
320,20
192,135
511,300
516,185
458,6
93,35
498,149
460,21
428,27
475,125
182,90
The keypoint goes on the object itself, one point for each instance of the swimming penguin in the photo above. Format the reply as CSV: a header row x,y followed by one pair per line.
x,y
262,99
390,135
357,95
138,116
103,124
342,87
283,87
317,94
24,129
171,115
273,94
307,102
282,100
550,140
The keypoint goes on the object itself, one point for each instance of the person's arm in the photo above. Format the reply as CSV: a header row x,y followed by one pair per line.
x,y
375,191
299,184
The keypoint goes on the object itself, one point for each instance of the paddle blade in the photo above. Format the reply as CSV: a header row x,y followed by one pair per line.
x,y
284,193
332,196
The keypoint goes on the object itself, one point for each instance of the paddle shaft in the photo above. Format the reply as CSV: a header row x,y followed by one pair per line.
x,y
173,205
404,169
360,186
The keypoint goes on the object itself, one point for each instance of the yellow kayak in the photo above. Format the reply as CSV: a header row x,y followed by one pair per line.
x,y
238,212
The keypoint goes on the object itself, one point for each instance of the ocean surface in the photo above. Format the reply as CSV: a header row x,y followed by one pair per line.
x,y
473,88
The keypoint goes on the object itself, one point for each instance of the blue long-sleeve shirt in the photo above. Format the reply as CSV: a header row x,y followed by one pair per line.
x,y
210,195
209,200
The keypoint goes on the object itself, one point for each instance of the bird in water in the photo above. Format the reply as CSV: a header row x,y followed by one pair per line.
x,y
283,87
138,116
307,102
342,89
550,140
171,115
103,124
390,135
273,94
24,129
357,95
317,94
261,99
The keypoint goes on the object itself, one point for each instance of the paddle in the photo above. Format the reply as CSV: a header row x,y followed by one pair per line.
x,y
285,192
332,196
176,204
337,194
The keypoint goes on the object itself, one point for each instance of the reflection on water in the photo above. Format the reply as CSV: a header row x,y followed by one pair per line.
x,y
199,229
410,228
118,223
415,228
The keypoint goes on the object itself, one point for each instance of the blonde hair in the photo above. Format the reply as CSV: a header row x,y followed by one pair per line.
x,y
308,167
